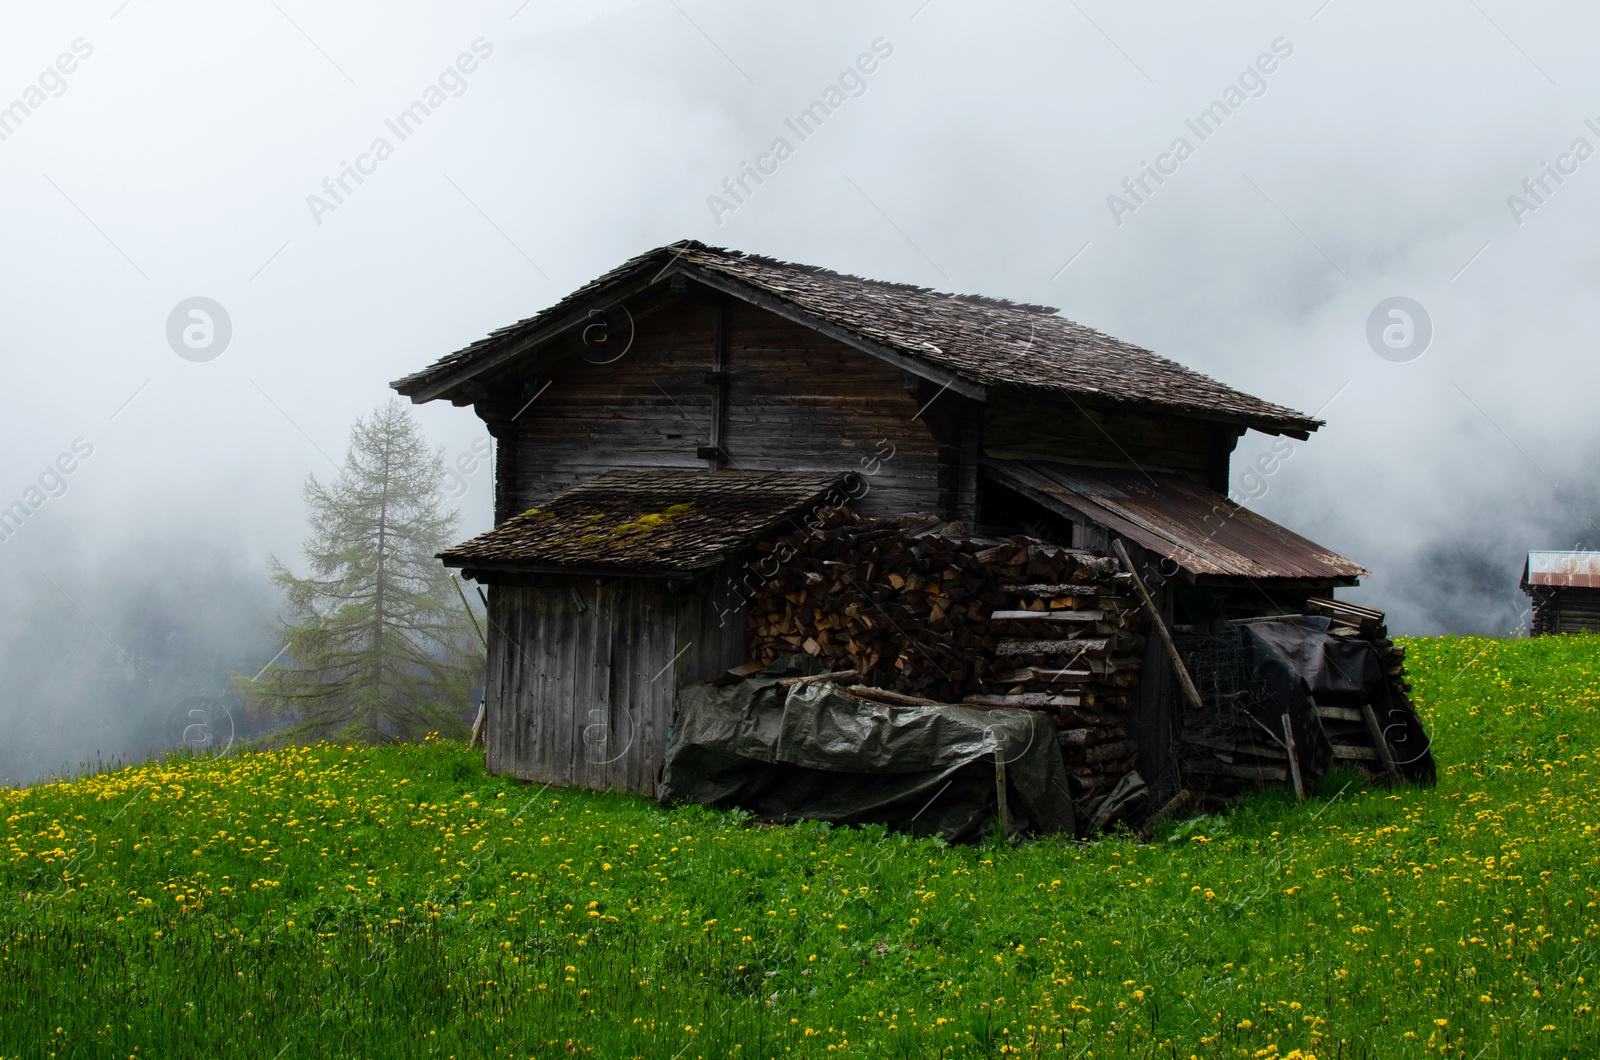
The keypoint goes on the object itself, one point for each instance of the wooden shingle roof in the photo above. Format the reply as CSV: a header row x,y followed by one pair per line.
x,y
972,343
647,523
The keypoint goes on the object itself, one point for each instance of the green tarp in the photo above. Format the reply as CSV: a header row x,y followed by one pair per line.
x,y
811,751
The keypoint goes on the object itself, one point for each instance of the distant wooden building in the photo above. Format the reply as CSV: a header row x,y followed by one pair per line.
x,y
659,420
1564,588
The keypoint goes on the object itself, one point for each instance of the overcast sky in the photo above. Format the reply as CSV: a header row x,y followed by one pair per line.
x,y
168,151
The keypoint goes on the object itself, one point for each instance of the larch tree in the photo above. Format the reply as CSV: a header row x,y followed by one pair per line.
x,y
379,646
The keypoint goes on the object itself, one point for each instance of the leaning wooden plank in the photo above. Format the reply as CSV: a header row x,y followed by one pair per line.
x,y
1190,693
1294,760
1379,743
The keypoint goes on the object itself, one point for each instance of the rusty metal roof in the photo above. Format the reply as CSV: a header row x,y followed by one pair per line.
x,y
1198,529
966,340
646,522
1572,570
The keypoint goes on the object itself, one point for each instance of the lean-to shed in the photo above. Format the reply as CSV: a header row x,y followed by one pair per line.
x,y
734,391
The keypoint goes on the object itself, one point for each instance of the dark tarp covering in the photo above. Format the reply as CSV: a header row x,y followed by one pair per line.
x,y
811,751
1297,660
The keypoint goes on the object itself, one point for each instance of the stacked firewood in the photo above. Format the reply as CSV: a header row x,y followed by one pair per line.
x,y
927,612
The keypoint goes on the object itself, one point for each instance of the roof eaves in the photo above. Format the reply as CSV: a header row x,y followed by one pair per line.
x,y
435,382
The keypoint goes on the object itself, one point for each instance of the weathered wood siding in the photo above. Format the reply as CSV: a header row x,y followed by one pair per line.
x,y
1577,610
1031,429
582,696
796,401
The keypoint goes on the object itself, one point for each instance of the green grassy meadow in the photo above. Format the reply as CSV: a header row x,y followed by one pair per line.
x,y
348,902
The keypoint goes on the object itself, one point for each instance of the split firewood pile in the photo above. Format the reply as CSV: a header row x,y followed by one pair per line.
x,y
916,611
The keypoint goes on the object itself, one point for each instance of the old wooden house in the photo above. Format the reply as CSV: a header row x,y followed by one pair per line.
x,y
654,424
1564,591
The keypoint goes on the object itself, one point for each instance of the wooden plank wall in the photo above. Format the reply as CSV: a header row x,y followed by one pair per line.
x,y
648,409
802,401
1577,610
797,400
1027,428
583,697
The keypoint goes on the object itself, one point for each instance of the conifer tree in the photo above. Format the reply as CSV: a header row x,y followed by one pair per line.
x,y
378,645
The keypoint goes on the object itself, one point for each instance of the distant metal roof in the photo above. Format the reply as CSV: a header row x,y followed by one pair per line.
x,y
646,522
1573,570
962,340
1198,529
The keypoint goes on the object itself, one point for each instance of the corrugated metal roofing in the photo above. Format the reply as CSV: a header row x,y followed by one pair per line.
x,y
646,522
986,341
1573,570
1198,529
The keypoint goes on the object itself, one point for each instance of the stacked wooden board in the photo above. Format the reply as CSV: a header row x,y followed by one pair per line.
x,y
1231,746
1356,733
918,607
1227,745
1352,620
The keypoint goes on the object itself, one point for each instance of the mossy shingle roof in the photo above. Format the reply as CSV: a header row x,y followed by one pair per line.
x,y
647,522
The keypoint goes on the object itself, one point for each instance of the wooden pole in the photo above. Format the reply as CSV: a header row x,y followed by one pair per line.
x,y
475,627
477,724
1294,760
1190,693
1000,790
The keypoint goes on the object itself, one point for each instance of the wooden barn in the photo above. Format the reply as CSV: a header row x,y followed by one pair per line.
x,y
655,424
1564,590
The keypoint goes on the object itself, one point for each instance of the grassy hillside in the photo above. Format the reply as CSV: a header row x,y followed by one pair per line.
x,y
330,901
